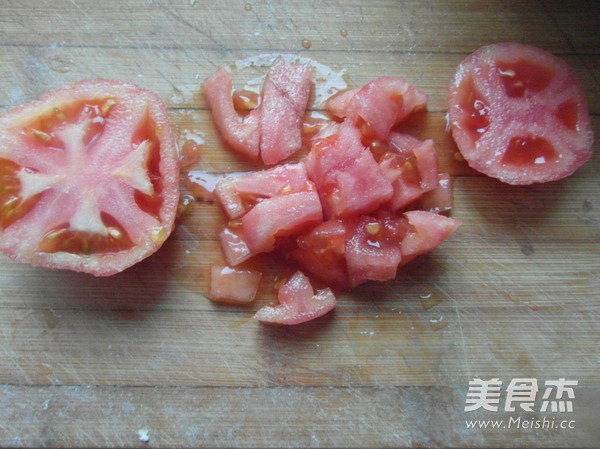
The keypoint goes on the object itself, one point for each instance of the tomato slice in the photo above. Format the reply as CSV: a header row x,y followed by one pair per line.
x,y
298,303
90,177
519,114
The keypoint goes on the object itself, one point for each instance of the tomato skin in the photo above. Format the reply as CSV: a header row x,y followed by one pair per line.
x,y
131,113
519,114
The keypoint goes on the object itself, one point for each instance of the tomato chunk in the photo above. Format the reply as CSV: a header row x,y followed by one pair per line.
x,y
284,98
241,133
298,303
279,216
233,285
349,180
234,245
272,128
519,114
373,251
90,178
379,105
320,253
439,199
240,193
412,169
428,230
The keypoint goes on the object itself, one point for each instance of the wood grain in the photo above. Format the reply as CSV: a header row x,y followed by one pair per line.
x,y
88,362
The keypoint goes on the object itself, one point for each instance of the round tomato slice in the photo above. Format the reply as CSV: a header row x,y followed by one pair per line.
x,y
89,178
519,114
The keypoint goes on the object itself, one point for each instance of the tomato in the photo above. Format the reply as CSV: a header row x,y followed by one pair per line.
x,y
272,128
519,114
298,303
233,285
427,231
439,199
239,193
285,95
412,169
234,246
241,133
373,252
320,252
349,180
279,216
90,178
379,105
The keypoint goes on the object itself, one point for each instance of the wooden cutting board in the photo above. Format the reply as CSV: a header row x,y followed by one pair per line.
x,y
87,362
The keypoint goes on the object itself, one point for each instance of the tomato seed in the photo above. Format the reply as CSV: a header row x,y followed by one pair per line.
x,y
41,135
373,228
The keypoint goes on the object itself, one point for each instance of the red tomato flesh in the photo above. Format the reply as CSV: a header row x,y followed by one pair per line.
x,y
90,178
284,98
271,128
519,114
241,133
427,231
280,216
233,285
298,303
321,251
379,105
349,180
240,193
373,252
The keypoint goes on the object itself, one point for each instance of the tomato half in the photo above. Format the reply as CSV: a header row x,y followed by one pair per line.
x,y
519,114
90,178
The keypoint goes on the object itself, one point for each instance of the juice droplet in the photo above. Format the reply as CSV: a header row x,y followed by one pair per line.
x,y
306,43
248,6
343,32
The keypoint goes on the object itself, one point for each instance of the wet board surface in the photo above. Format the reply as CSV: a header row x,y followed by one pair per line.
x,y
514,293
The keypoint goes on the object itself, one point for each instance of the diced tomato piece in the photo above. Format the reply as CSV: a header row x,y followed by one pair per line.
x,y
428,230
298,303
439,199
284,98
335,149
239,193
348,179
234,246
373,251
279,216
357,189
519,114
233,285
320,252
338,104
412,169
380,105
403,143
89,178
402,172
427,164
242,134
